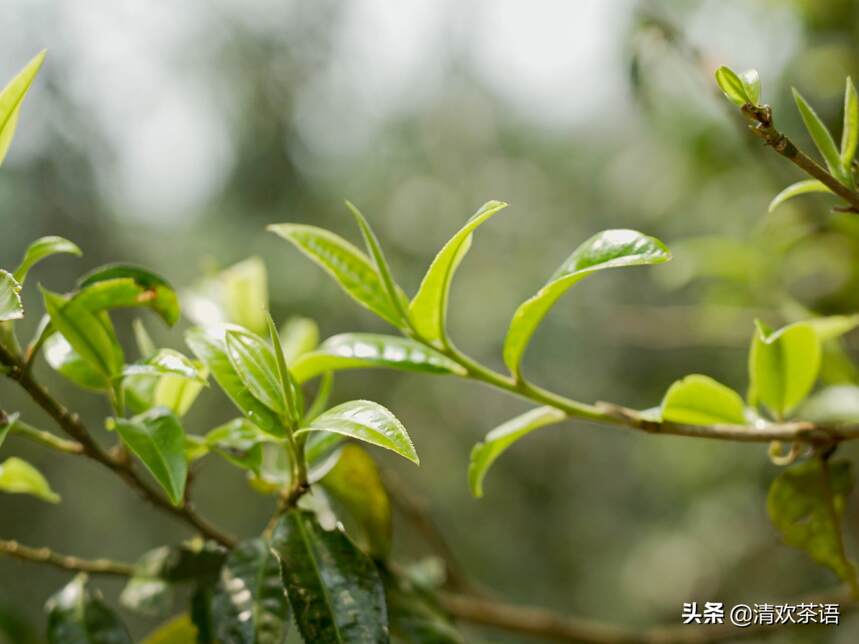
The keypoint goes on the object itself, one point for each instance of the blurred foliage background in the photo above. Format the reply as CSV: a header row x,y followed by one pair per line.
x,y
170,134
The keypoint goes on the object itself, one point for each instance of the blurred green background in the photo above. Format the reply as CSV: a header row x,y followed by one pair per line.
x,y
169,134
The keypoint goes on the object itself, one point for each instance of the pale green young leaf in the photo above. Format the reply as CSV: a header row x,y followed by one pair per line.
x,y
62,357
11,99
366,421
145,345
800,503
240,442
42,248
428,309
178,393
289,393
123,285
700,400
11,307
244,293
298,336
732,86
783,365
156,437
796,189
334,588
349,267
90,335
833,326
822,138
484,454
254,362
19,477
850,133
209,346
165,362
751,81
77,614
363,350
608,249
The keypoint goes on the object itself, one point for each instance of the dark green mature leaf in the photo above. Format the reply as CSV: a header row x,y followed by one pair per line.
x,y
850,133
90,335
290,397
783,365
797,189
42,248
254,362
484,454
250,605
195,561
428,309
156,437
201,614
11,307
608,249
363,350
366,421
334,588
801,508
415,614
349,267
60,355
11,99
123,285
298,336
822,139
209,345
78,615
700,400
19,477
356,487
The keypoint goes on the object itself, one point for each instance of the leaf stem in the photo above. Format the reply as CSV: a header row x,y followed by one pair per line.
x,y
46,438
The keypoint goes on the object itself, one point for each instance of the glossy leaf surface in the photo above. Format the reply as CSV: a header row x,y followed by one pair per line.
x,y
78,615
17,476
42,248
700,400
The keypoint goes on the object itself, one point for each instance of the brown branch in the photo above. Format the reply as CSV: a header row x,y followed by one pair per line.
x,y
72,425
66,562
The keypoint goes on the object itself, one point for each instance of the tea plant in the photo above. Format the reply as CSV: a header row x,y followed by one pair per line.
x,y
339,585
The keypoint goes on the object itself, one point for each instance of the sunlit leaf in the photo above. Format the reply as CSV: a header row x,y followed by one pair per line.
x,y
249,605
156,437
363,350
484,454
123,285
836,404
60,355
165,362
733,87
11,307
42,248
144,342
148,596
833,326
240,442
334,589
349,267
850,133
366,421
244,293
356,488
797,189
11,99
608,249
289,392
822,138
801,509
752,84
700,400
78,615
178,393
19,477
298,336
254,362
209,345
783,365
428,309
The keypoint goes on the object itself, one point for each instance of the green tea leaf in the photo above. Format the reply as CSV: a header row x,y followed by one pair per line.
x,y
363,350
60,355
783,365
484,454
42,248
298,336
78,615
240,442
395,294
799,507
209,346
356,488
289,392
349,267
178,393
11,99
11,307
19,477
733,87
249,605
244,292
822,138
366,421
123,285
700,400
156,437
608,249
428,309
797,189
179,630
752,84
144,342
6,423
191,561
147,596
414,613
833,326
835,404
91,336
165,362
850,133
334,589
254,361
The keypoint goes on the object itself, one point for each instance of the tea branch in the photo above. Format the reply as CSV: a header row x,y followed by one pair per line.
x,y
42,437
66,562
